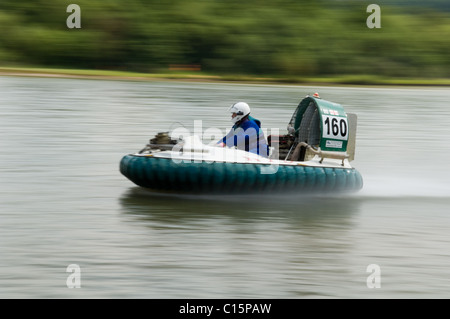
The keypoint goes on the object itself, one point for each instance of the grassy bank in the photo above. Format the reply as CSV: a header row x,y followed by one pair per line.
x,y
200,76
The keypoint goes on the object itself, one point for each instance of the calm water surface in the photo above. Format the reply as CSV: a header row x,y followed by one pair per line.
x,y
63,200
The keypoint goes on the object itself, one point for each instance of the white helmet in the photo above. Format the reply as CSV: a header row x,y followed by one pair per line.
x,y
241,109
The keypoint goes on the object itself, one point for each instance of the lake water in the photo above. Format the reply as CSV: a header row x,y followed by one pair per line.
x,y
64,202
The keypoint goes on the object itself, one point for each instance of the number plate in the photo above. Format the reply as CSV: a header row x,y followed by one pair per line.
x,y
334,127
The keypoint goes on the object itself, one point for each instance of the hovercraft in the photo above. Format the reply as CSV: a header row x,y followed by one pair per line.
x,y
314,156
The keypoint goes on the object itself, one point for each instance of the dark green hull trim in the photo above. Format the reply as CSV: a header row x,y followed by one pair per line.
x,y
165,175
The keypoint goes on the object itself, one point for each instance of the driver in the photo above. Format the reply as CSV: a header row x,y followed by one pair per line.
x,y
246,133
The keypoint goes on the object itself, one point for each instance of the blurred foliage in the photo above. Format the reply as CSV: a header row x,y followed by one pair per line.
x,y
280,37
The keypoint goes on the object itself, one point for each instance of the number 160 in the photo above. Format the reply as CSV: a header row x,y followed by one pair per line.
x,y
335,127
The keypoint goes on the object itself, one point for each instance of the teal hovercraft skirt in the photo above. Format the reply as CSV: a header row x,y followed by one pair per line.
x,y
162,174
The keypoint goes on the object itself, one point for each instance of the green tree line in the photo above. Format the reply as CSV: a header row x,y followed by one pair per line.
x,y
279,37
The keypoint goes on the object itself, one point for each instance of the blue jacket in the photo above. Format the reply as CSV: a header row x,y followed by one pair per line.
x,y
247,136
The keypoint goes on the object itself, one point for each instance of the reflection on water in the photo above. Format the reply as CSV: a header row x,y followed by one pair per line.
x,y
248,246
176,208
63,200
